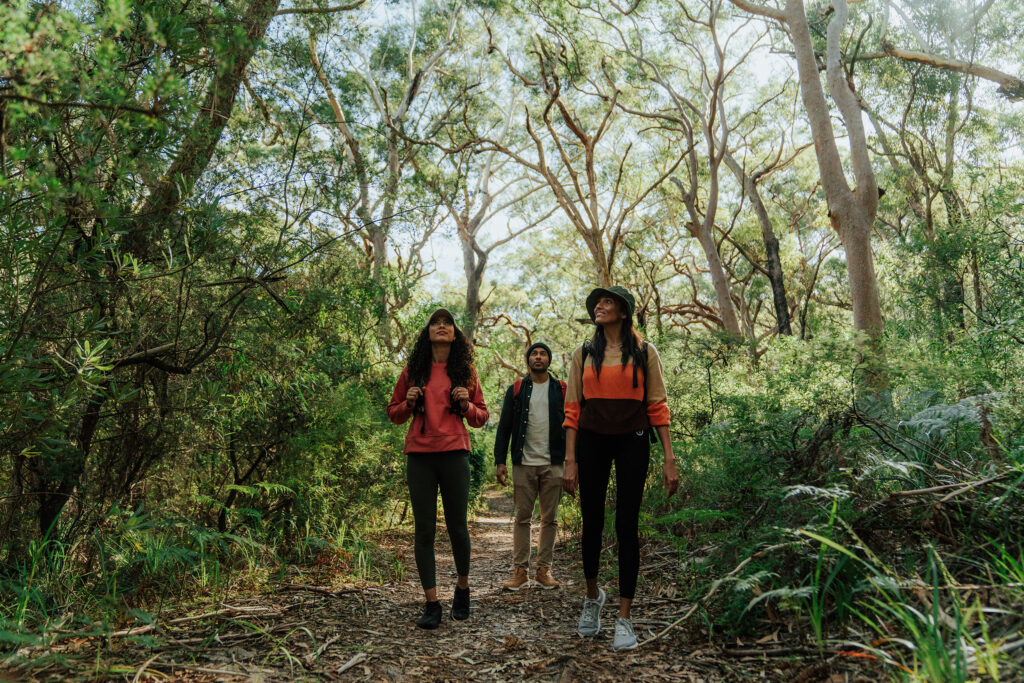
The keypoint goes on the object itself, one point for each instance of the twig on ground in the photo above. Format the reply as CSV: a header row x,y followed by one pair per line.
x,y
142,669
205,670
359,657
319,589
972,485
775,652
313,656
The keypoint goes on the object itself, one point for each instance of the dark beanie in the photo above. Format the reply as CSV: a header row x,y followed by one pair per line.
x,y
539,345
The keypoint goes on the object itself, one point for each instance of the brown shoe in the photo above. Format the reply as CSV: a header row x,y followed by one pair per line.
x,y
544,579
518,580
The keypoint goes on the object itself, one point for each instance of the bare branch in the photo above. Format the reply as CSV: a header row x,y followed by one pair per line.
x,y
319,10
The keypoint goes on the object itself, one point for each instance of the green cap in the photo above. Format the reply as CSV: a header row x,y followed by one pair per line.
x,y
442,313
616,292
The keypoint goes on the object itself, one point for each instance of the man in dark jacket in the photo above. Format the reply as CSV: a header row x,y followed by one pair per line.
x,y
531,420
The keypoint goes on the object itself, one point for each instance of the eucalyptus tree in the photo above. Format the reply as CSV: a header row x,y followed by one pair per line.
x,y
583,144
685,55
928,116
378,74
479,188
852,210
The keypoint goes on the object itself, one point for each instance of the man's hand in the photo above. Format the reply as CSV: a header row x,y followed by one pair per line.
x,y
569,478
412,396
503,474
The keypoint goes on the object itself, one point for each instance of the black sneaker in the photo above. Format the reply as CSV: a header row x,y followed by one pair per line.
x,y
431,615
460,604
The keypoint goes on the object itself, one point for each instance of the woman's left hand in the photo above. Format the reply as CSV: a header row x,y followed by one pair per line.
x,y
669,477
461,394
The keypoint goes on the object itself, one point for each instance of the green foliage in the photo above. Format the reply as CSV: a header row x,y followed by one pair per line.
x,y
192,397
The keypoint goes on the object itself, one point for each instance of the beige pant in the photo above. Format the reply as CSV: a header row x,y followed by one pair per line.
x,y
530,482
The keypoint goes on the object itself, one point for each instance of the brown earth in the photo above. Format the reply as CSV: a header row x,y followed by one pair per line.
x,y
302,631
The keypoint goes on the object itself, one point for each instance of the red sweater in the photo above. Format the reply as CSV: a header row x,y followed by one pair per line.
x,y
444,430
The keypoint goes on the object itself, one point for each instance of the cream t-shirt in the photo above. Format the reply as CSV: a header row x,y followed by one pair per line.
x,y
537,446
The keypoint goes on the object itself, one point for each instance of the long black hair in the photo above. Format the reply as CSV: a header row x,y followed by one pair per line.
x,y
460,359
632,345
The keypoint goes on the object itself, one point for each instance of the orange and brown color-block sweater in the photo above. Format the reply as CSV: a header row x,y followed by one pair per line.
x,y
613,405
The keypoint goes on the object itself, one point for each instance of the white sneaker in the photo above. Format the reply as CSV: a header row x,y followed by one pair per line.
x,y
590,619
625,638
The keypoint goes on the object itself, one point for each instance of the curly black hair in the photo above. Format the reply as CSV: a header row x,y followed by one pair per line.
x,y
460,359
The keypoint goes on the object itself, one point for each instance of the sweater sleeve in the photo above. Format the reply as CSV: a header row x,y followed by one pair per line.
x,y
398,410
574,391
476,411
657,395
504,431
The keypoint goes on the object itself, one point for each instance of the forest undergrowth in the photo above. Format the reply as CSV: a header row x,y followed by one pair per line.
x,y
883,528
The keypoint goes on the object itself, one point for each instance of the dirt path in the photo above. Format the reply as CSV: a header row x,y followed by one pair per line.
x,y
306,631
529,634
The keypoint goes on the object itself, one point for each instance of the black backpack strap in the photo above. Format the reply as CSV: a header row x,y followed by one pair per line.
x,y
421,406
651,433
585,350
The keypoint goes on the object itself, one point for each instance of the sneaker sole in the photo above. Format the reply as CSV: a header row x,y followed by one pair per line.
x,y
625,648
513,590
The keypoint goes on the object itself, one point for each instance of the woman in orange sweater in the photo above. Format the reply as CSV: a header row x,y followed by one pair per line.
x,y
439,388
614,398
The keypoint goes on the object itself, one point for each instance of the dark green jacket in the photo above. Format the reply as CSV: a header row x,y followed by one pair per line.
x,y
514,415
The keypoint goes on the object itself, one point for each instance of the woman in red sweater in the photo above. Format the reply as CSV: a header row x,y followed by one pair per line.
x,y
439,388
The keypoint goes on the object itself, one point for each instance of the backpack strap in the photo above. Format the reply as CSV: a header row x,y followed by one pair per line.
x,y
421,404
585,351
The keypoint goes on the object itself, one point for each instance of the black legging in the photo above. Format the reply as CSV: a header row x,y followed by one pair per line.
x,y
594,456
425,474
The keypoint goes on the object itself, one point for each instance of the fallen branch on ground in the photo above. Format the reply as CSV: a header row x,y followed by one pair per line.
x,y
134,631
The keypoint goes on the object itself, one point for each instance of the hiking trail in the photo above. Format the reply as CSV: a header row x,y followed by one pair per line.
x,y
302,631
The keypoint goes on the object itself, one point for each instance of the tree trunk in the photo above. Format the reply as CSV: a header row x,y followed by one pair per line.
x,y
57,480
852,211
976,281
952,290
721,282
855,232
198,146
771,245
474,265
